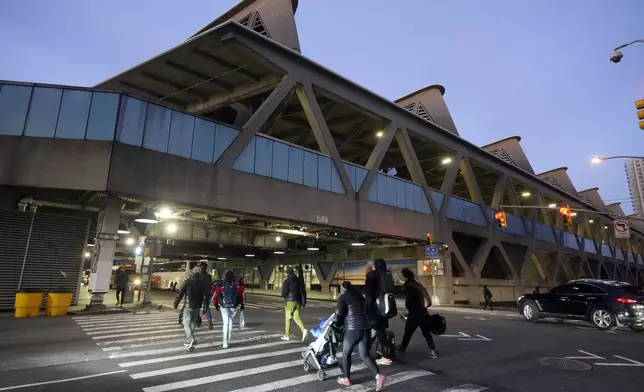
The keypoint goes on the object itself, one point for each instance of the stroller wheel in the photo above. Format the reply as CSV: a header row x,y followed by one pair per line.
x,y
304,353
321,376
307,366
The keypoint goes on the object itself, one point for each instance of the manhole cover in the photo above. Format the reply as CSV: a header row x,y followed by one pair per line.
x,y
564,363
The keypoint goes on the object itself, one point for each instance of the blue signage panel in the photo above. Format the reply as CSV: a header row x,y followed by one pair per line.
x,y
431,251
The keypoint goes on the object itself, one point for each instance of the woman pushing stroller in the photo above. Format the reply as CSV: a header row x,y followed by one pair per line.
x,y
352,313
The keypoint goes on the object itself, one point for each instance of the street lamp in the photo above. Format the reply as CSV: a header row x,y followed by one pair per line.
x,y
598,160
616,56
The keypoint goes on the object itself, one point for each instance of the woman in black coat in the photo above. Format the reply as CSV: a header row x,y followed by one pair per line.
x,y
352,313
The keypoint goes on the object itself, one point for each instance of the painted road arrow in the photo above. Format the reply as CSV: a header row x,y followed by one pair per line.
x,y
464,336
470,318
589,356
461,335
629,362
480,337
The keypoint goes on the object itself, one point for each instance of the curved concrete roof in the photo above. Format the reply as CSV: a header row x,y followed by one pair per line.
x,y
436,86
518,139
564,168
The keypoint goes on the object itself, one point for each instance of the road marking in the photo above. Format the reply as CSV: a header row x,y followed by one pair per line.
x,y
482,338
390,380
221,377
593,329
151,327
34,384
132,326
466,388
589,356
632,362
87,319
175,335
127,322
461,335
470,318
201,365
204,353
160,351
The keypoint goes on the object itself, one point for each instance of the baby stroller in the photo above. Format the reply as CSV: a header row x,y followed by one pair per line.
x,y
322,352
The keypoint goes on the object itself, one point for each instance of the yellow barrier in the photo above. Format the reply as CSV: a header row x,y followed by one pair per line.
x,y
28,303
58,303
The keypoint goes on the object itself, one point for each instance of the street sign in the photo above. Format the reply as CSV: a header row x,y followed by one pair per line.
x,y
622,229
431,251
107,236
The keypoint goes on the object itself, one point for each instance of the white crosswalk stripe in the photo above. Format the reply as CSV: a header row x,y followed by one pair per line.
x,y
151,349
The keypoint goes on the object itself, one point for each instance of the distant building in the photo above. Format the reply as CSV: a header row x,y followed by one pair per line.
x,y
635,176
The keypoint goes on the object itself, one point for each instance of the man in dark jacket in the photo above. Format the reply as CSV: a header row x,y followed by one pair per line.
x,y
487,296
292,293
120,283
207,284
193,289
379,323
416,300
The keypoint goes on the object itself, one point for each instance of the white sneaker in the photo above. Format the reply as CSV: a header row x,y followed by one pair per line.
x,y
285,337
304,335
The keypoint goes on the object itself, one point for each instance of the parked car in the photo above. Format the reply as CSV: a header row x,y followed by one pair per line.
x,y
605,304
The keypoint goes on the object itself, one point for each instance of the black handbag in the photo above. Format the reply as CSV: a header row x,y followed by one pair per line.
x,y
437,324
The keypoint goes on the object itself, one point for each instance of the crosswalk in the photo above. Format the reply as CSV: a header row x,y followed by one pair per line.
x,y
278,307
150,347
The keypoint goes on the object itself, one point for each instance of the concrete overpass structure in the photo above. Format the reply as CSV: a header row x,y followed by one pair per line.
x,y
248,140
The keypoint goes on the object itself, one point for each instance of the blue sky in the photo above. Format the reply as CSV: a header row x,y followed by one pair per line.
x,y
534,68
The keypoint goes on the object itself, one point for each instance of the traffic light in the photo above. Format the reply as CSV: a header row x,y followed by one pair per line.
x,y
501,219
335,234
639,105
566,214
430,241
425,268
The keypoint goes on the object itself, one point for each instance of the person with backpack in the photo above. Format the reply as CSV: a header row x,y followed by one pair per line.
x,y
227,298
417,300
120,281
379,322
351,312
487,296
196,298
292,291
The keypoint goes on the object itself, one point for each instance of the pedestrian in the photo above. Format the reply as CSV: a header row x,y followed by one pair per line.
x,y
487,296
292,293
417,301
120,282
193,290
536,290
242,321
352,313
227,298
207,282
379,323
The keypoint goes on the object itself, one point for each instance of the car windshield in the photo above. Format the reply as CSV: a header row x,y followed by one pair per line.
x,y
633,290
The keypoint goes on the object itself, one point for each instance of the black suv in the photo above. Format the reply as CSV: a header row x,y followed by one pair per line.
x,y
606,304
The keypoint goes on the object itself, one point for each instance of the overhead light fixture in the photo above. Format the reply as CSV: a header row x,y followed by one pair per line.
x,y
278,252
292,232
312,248
138,250
221,258
552,205
446,161
87,255
129,241
123,229
573,214
596,160
358,243
91,245
278,238
525,194
591,221
171,228
302,228
379,134
165,212
249,255
146,216
605,227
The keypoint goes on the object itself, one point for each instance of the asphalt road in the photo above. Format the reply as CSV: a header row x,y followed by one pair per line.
x,y
491,351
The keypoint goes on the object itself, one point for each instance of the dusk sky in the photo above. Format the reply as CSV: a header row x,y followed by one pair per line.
x,y
534,68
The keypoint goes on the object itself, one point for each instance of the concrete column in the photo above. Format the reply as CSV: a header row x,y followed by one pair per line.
x,y
101,273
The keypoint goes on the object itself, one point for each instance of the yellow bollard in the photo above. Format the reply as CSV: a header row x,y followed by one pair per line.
x,y
58,303
28,303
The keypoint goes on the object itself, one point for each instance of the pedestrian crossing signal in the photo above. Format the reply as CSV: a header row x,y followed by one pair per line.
x,y
566,214
501,219
430,241
425,268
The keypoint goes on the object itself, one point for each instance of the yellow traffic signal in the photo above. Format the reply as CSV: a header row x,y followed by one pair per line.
x,y
566,215
501,219
639,105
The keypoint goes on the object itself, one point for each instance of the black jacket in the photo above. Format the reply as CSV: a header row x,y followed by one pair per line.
x,y
121,280
371,292
414,297
352,312
207,285
194,290
291,289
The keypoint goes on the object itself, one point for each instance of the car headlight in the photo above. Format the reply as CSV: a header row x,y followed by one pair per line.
x,y
137,282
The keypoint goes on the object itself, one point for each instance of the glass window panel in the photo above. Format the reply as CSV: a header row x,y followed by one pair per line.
x,y
372,195
246,159
224,137
336,182
43,112
157,128
437,197
361,174
324,173
102,116
203,140
392,186
310,169
409,196
130,129
14,103
351,171
263,156
400,194
181,131
295,165
420,201
381,180
280,161
74,112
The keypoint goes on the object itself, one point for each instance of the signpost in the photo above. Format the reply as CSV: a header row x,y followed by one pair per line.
x,y
431,251
621,229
